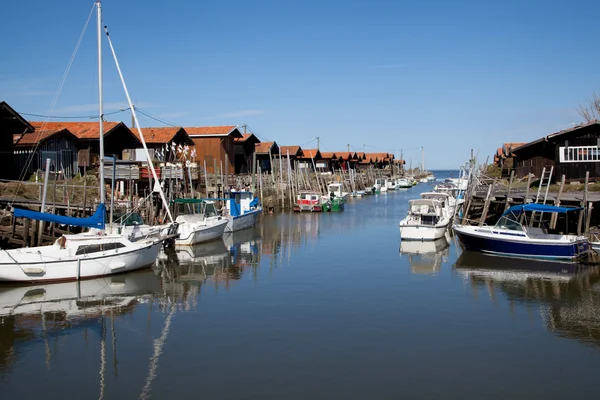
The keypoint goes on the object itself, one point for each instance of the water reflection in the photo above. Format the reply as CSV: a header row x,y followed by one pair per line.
x,y
44,312
568,294
425,257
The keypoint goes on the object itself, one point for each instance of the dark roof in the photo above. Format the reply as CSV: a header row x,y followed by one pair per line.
x,y
82,130
554,136
31,138
20,125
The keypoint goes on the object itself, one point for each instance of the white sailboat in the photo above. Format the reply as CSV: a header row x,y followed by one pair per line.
x,y
87,255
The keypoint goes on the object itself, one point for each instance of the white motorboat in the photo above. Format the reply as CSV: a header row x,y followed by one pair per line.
x,y
403,183
335,190
379,185
242,210
448,202
390,184
426,220
198,221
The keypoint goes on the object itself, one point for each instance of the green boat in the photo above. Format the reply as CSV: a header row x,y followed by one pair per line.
x,y
335,205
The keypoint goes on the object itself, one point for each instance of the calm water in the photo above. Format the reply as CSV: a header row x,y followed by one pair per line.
x,y
311,306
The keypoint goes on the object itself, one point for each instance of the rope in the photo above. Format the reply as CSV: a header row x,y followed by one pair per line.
x,y
52,105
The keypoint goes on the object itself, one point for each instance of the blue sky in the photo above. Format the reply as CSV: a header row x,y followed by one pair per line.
x,y
378,75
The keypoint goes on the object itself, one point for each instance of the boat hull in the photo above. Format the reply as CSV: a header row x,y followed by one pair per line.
x,y
336,205
517,245
244,221
87,266
422,232
204,233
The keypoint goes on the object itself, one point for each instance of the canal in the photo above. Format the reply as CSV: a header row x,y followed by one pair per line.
x,y
320,306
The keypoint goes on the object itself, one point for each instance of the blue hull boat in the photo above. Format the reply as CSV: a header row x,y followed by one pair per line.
x,y
511,238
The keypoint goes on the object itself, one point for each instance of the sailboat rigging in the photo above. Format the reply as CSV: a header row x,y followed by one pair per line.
x,y
89,254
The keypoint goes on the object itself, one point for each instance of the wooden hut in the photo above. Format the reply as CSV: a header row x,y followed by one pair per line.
x,y
59,145
215,146
244,152
265,155
571,152
164,144
11,123
117,138
308,157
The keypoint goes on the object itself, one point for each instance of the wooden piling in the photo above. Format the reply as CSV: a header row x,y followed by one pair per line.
x,y
486,206
554,216
510,182
583,202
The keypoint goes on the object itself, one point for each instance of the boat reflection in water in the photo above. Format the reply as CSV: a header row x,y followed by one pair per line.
x,y
184,270
568,294
47,313
425,257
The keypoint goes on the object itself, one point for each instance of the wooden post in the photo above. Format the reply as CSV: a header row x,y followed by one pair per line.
x,y
554,216
281,182
510,182
253,172
26,232
262,199
486,206
588,218
205,179
222,182
527,189
583,202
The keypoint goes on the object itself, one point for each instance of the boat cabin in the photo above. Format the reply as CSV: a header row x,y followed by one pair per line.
x,y
240,203
205,208
308,201
429,211
336,189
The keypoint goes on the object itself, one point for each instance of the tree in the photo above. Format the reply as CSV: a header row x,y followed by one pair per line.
x,y
590,110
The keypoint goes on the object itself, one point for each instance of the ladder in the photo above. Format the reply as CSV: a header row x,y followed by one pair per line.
x,y
545,181
544,185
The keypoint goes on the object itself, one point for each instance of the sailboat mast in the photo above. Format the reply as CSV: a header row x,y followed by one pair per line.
x,y
100,101
137,125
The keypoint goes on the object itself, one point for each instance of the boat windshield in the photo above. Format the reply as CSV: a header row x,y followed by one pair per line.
x,y
506,222
210,210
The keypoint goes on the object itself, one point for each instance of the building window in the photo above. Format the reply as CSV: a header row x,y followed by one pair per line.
x,y
579,154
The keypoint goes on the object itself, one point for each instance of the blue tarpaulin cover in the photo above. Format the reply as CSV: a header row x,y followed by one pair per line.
x,y
539,208
95,221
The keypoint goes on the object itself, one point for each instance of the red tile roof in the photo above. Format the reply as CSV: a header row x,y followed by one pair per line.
x,y
28,139
157,135
379,157
509,147
210,130
264,147
310,153
82,130
293,150
245,137
328,155
345,155
360,154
